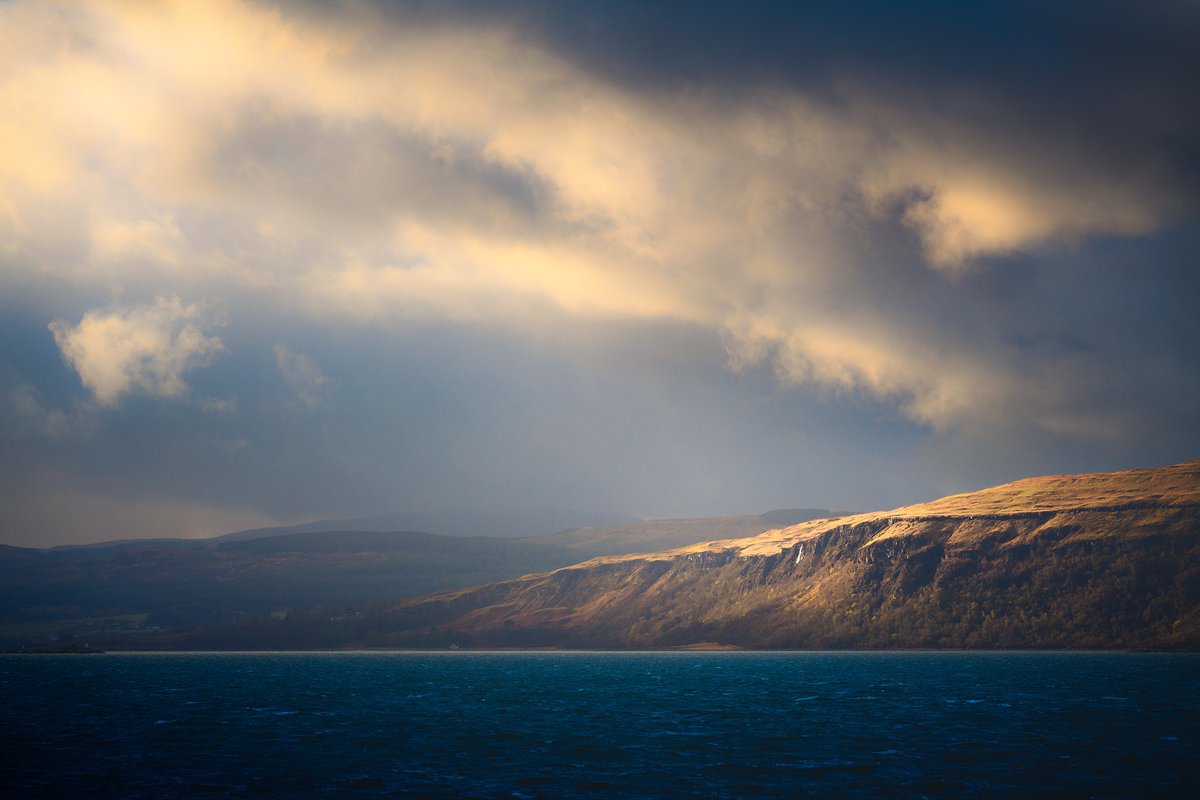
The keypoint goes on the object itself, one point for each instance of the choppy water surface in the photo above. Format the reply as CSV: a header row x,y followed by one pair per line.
x,y
600,725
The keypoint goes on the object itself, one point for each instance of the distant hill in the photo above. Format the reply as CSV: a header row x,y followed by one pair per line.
x,y
647,536
499,524
503,524
165,583
1109,560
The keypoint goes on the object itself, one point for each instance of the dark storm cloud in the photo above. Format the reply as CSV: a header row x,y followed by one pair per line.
x,y
1075,63
1106,80
1025,53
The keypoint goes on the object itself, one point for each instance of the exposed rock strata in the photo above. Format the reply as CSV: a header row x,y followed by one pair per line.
x,y
1099,561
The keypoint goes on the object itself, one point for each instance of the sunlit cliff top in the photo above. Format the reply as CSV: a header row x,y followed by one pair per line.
x,y
1161,487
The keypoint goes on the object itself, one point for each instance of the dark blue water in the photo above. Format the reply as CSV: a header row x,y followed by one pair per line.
x,y
600,725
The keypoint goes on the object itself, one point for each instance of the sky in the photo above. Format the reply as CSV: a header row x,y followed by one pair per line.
x,y
265,263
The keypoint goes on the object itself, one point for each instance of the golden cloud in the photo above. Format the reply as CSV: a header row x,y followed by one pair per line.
x,y
143,348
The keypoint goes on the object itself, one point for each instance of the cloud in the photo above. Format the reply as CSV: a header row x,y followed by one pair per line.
x,y
29,415
969,195
371,166
145,349
218,405
301,373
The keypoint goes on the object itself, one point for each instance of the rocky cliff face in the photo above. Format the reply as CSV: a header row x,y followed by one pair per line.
x,y
1092,561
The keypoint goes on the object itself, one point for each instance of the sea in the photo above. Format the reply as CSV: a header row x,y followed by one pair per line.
x,y
462,724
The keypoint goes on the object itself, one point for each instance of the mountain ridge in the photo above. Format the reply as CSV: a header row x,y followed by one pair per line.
x,y
1049,495
1106,560
164,583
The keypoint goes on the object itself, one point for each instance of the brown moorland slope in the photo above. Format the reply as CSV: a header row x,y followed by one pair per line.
x,y
1109,560
94,591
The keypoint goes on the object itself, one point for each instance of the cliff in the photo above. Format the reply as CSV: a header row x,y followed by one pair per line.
x,y
1108,560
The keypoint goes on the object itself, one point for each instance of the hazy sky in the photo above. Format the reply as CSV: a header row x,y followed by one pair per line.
x,y
266,263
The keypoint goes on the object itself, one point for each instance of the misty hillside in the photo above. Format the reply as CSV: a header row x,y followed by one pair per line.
x,y
504,524
1108,560
164,583
647,536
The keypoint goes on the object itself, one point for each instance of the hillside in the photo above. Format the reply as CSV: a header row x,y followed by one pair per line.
x,y
533,523
1108,560
161,584
647,536
146,585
